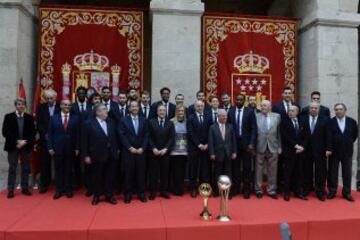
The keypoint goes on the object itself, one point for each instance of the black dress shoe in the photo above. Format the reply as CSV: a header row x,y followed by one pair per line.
x,y
349,198
301,196
165,195
331,195
273,196
69,194
95,201
152,196
142,198
88,193
246,195
111,200
26,192
286,197
10,194
43,190
259,195
57,195
321,197
194,193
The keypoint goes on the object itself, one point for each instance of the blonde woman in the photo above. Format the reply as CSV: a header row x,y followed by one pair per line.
x,y
179,153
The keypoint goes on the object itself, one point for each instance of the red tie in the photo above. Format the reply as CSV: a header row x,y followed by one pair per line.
x,y
65,121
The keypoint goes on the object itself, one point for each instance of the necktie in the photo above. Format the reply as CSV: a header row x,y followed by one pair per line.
x,y
201,119
215,117
122,111
162,123
166,106
238,122
312,126
265,123
104,127
296,124
287,107
222,130
81,107
136,125
65,121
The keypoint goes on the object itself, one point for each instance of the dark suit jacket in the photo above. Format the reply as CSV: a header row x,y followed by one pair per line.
x,y
142,114
95,143
290,137
154,106
161,137
343,143
320,140
248,125
116,114
222,149
83,116
42,121
191,109
198,133
324,111
10,131
64,141
223,107
280,109
113,105
127,134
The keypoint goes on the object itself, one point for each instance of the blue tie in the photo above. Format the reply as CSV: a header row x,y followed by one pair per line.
x,y
136,125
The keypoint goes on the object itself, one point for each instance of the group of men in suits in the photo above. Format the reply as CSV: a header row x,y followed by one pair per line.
x,y
125,145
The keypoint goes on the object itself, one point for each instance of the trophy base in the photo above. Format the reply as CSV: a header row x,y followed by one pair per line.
x,y
223,218
205,215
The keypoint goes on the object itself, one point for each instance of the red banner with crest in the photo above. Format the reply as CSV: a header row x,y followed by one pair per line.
x,y
250,55
90,48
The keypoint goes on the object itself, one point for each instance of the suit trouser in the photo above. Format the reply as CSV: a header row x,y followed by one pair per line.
x,y
45,168
320,173
63,174
134,169
178,166
88,177
25,168
103,177
77,173
292,172
162,164
346,170
221,168
199,168
119,174
244,158
272,164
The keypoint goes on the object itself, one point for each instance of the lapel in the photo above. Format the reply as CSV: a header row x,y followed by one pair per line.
x,y
97,126
14,116
131,125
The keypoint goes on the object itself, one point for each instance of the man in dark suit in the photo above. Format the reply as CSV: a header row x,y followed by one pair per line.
x,y
344,132
170,107
200,95
106,99
252,103
244,122
293,138
19,132
121,110
226,102
45,111
317,151
99,148
222,147
315,97
214,103
161,141
82,109
134,136
145,104
198,125
63,146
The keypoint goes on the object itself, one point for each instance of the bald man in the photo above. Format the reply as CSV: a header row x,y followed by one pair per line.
x,y
63,146
45,111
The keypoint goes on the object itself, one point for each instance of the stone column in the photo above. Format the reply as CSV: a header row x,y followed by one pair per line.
x,y
18,47
328,53
176,47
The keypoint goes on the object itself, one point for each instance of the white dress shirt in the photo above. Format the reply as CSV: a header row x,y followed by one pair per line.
x,y
241,118
285,105
63,117
107,104
83,104
342,123
103,125
146,114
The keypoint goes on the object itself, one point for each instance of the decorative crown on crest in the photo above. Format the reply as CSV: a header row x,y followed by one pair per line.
x,y
251,62
91,61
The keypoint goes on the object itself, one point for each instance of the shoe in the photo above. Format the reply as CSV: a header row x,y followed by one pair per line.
x,y
273,196
179,194
194,193
26,192
95,201
43,190
165,195
142,198
57,195
301,196
331,195
259,195
246,195
152,196
349,198
88,193
127,199
286,197
69,195
10,194
111,200
321,197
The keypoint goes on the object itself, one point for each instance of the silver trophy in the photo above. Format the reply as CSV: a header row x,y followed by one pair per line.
x,y
224,185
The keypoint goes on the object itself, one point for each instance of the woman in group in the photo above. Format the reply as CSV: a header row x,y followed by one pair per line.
x,y
179,153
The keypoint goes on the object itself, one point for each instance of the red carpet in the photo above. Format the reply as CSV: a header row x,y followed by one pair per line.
x,y
41,218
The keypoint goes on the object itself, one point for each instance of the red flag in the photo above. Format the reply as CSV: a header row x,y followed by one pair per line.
x,y
37,96
22,92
